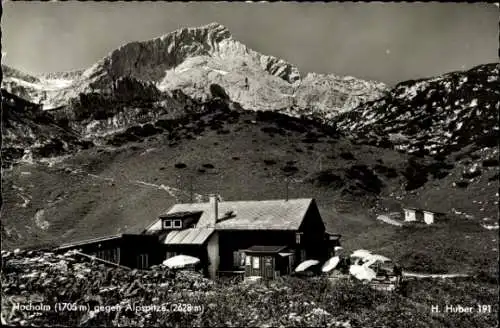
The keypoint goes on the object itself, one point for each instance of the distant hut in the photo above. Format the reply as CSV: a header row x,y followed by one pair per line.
x,y
422,214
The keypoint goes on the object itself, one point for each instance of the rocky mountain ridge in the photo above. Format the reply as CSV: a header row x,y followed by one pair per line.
x,y
433,116
191,59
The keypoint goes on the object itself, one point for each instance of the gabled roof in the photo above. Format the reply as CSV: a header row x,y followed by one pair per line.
x,y
193,236
422,204
278,214
423,209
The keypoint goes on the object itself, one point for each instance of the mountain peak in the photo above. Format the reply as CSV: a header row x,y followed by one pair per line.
x,y
210,44
214,31
148,60
213,27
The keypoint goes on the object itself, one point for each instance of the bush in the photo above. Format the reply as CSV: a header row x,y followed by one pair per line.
x,y
364,178
272,130
347,156
328,179
180,165
310,140
462,183
424,262
289,169
54,147
208,166
388,172
218,92
490,162
385,143
165,124
269,161
415,174
487,277
494,177
471,174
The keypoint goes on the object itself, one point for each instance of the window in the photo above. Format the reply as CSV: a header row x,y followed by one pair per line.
x,y
177,224
248,260
111,255
256,262
170,254
167,224
238,258
242,259
297,237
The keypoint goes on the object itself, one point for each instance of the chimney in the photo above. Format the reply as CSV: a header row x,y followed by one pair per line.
x,y
214,208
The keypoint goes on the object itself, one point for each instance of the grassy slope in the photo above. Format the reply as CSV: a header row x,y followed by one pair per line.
x,y
79,206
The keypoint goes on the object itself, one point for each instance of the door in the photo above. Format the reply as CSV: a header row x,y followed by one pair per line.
x,y
142,261
248,266
291,263
302,255
268,267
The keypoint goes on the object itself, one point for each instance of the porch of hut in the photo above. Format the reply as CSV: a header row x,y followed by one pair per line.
x,y
268,262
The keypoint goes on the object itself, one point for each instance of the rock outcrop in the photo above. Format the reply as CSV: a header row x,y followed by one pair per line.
x,y
29,132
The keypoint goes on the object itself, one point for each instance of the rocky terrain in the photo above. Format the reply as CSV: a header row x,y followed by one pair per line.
x,y
29,132
191,59
37,277
46,289
434,116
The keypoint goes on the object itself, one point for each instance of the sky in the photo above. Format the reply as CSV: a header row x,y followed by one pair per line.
x,y
387,42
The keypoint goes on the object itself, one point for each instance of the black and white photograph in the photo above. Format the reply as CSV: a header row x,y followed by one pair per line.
x,y
249,164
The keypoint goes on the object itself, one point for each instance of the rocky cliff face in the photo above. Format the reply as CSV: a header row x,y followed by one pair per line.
x,y
191,59
149,60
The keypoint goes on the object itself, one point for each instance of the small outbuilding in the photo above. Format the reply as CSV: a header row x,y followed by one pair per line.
x,y
413,214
